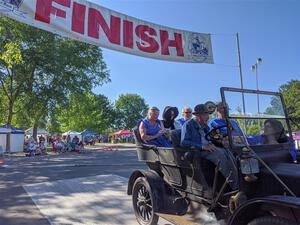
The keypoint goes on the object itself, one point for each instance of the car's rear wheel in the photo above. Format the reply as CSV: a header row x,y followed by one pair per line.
x,y
142,200
271,220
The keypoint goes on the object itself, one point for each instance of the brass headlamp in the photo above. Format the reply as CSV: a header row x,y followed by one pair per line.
x,y
249,165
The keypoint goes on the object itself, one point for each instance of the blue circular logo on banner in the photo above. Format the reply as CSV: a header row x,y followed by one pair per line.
x,y
197,47
16,3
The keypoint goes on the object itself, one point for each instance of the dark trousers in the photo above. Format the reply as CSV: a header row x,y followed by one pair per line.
x,y
226,164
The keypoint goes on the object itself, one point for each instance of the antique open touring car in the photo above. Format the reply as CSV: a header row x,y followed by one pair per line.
x,y
182,187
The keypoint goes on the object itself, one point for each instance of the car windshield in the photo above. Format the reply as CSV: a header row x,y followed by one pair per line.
x,y
261,118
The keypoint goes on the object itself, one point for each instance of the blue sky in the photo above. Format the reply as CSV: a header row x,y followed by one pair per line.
x,y
269,29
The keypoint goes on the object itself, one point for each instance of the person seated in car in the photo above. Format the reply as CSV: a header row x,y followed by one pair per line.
x,y
193,136
221,121
152,130
169,115
274,132
186,115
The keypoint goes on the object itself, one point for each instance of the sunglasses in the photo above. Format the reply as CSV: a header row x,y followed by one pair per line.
x,y
187,112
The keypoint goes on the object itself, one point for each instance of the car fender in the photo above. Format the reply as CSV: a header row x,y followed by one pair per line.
x,y
136,174
253,208
155,181
167,200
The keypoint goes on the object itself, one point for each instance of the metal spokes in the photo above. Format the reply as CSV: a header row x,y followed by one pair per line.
x,y
144,206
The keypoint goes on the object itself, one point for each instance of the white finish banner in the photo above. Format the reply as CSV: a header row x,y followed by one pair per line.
x,y
94,24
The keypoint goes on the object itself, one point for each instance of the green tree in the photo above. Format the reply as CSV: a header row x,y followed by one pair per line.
x,y
86,111
250,126
12,77
130,108
3,107
253,130
291,94
276,107
53,124
44,69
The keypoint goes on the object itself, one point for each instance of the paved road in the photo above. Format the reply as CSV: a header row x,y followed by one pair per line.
x,y
16,207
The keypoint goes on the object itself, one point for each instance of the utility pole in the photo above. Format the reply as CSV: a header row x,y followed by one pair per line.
x,y
240,68
254,68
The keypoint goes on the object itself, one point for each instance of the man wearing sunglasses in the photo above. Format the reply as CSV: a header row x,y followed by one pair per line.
x,y
186,115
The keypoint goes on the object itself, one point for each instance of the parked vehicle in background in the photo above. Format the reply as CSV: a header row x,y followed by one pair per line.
x,y
296,137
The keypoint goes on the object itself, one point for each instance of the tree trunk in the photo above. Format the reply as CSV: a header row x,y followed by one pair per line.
x,y
34,130
8,125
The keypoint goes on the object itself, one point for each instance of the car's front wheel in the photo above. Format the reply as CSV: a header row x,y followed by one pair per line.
x,y
142,200
271,220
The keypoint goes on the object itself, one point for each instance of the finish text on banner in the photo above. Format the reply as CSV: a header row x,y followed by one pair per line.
x,y
94,24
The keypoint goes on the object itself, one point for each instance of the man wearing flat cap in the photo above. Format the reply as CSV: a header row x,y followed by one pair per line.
x,y
193,136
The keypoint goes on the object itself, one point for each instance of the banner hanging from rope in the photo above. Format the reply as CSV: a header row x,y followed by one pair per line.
x,y
94,24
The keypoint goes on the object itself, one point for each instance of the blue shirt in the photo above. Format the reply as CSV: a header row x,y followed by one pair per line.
x,y
152,130
220,122
192,134
160,141
179,123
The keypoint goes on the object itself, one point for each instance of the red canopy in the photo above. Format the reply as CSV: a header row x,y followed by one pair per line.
x,y
122,132
296,137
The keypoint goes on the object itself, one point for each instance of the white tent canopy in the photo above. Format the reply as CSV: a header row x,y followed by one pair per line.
x,y
16,138
29,131
4,130
40,132
73,134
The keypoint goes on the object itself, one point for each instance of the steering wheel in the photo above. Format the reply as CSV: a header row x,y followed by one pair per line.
x,y
215,136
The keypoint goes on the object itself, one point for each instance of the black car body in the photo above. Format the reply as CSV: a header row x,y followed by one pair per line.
x,y
180,185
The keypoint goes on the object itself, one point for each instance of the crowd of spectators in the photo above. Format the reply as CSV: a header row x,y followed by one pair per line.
x,y
33,147
66,144
58,144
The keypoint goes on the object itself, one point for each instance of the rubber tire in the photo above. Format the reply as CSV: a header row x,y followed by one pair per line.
x,y
271,220
154,218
